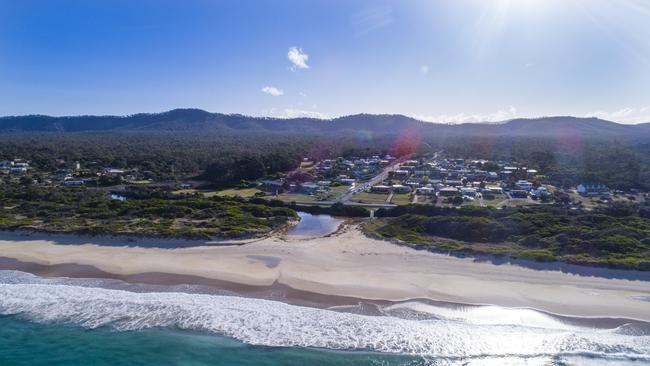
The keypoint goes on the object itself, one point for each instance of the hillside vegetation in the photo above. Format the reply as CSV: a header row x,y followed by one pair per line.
x,y
617,236
156,214
196,120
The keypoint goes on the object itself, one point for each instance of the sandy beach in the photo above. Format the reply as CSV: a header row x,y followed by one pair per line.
x,y
347,264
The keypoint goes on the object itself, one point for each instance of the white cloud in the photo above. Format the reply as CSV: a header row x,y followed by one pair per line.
x,y
298,58
424,69
625,115
498,116
272,91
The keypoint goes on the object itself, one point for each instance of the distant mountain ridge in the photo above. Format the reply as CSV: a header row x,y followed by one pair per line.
x,y
200,121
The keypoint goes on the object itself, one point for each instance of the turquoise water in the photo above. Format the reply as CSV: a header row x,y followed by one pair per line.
x,y
26,343
315,225
63,321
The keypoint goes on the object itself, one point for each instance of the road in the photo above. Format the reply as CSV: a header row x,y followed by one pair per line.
x,y
349,203
373,181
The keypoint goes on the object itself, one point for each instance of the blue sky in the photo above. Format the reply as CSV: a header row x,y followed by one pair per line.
x,y
447,61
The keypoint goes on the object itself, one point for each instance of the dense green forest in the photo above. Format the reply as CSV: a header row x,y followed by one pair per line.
x,y
616,236
226,160
223,160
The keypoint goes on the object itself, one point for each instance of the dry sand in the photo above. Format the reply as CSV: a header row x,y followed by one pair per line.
x,y
350,264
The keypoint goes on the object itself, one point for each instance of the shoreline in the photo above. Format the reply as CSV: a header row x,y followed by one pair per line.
x,y
346,265
278,292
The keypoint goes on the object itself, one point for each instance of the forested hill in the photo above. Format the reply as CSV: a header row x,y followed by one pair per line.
x,y
196,120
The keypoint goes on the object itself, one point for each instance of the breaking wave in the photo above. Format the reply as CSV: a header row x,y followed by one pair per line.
x,y
488,331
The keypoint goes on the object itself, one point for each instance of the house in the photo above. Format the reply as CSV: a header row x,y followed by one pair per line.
x,y
467,191
398,188
309,188
74,182
494,189
347,181
273,186
454,182
118,197
448,191
113,172
541,192
400,173
593,189
426,191
17,169
524,185
380,189
414,182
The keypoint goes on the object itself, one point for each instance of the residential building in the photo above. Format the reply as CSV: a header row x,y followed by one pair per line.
x,y
399,188
380,189
593,189
524,185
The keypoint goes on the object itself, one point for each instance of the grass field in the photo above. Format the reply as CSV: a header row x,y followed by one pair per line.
x,y
245,192
144,181
185,191
402,199
286,197
335,192
366,197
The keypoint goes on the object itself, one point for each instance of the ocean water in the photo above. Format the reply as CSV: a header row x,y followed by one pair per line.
x,y
60,321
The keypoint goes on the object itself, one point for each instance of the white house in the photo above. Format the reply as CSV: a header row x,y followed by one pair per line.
x,y
524,185
494,189
592,189
398,188
426,191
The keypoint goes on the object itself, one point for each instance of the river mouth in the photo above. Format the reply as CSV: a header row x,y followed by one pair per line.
x,y
314,225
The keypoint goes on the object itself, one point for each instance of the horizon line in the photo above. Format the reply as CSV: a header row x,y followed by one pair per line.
x,y
319,118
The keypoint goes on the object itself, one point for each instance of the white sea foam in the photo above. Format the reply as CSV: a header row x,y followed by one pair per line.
x,y
486,315
272,323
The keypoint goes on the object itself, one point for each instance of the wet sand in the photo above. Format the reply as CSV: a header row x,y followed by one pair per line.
x,y
342,268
